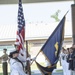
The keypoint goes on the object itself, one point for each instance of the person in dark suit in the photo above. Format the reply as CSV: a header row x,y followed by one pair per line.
x,y
70,59
73,56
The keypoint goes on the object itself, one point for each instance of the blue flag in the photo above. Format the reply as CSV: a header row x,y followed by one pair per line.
x,y
45,70
52,47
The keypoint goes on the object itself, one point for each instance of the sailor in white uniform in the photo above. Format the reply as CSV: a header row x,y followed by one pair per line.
x,y
22,56
63,61
22,52
68,72
65,65
16,66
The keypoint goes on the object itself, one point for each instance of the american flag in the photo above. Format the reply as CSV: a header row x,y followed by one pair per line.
x,y
21,27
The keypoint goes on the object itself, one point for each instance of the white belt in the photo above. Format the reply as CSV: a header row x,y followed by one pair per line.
x,y
4,61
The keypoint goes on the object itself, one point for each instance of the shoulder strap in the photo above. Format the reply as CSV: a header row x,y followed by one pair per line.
x,y
20,62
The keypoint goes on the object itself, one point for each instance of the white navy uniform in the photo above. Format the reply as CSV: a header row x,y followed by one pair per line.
x,y
16,67
68,72
22,55
64,63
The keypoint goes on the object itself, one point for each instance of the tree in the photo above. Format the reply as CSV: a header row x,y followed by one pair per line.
x,y
55,15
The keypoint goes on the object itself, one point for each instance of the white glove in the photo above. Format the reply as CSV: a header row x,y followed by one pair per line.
x,y
28,58
34,58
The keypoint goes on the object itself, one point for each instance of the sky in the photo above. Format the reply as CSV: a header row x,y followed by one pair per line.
x,y
35,12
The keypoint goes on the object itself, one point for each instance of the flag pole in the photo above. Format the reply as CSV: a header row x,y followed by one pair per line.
x,y
28,69
66,12
36,57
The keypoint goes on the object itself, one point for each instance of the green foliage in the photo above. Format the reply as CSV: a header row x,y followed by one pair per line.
x,y
55,15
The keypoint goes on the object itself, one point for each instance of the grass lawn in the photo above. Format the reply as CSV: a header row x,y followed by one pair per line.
x,y
1,74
